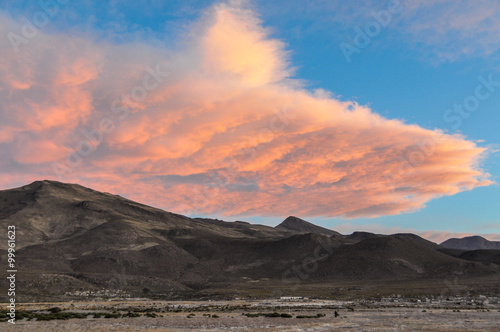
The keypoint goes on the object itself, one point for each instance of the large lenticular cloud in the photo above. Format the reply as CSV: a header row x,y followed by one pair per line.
x,y
215,128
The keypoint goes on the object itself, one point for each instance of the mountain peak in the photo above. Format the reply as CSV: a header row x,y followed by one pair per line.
x,y
43,184
296,224
294,220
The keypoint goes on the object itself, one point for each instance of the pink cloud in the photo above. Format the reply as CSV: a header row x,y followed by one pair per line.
x,y
218,127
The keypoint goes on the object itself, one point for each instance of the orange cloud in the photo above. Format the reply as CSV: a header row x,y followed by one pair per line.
x,y
218,127
236,44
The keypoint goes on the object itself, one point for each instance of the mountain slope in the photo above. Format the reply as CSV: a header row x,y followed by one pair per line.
x,y
480,255
254,230
46,211
78,238
392,257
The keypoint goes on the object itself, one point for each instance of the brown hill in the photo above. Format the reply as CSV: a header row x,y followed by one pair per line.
x,y
481,255
73,238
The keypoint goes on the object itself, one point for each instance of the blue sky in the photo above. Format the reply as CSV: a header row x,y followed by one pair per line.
x,y
429,57
407,79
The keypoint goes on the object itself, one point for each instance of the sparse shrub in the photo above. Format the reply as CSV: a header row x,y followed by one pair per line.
x,y
131,314
113,315
252,315
55,314
305,316
274,314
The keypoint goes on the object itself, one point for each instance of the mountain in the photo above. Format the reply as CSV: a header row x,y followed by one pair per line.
x,y
249,229
301,226
471,243
359,236
480,255
70,238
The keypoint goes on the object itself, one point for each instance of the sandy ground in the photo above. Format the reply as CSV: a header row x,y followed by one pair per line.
x,y
401,316
387,319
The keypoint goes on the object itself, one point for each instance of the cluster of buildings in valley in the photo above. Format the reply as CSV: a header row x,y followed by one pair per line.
x,y
455,302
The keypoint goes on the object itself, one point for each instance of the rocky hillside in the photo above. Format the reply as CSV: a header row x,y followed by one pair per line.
x,y
72,239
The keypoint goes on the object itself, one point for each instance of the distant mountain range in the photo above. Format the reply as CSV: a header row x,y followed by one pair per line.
x,y
471,243
71,238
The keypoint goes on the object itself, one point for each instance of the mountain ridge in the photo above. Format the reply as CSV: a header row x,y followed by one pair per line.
x,y
474,242
85,238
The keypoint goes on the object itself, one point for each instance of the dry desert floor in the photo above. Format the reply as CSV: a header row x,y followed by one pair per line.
x,y
235,316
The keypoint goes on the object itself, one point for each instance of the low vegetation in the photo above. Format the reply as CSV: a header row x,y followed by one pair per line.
x,y
58,314
317,316
279,315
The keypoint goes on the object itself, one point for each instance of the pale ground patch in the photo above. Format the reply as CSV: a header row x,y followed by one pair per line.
x,y
361,319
